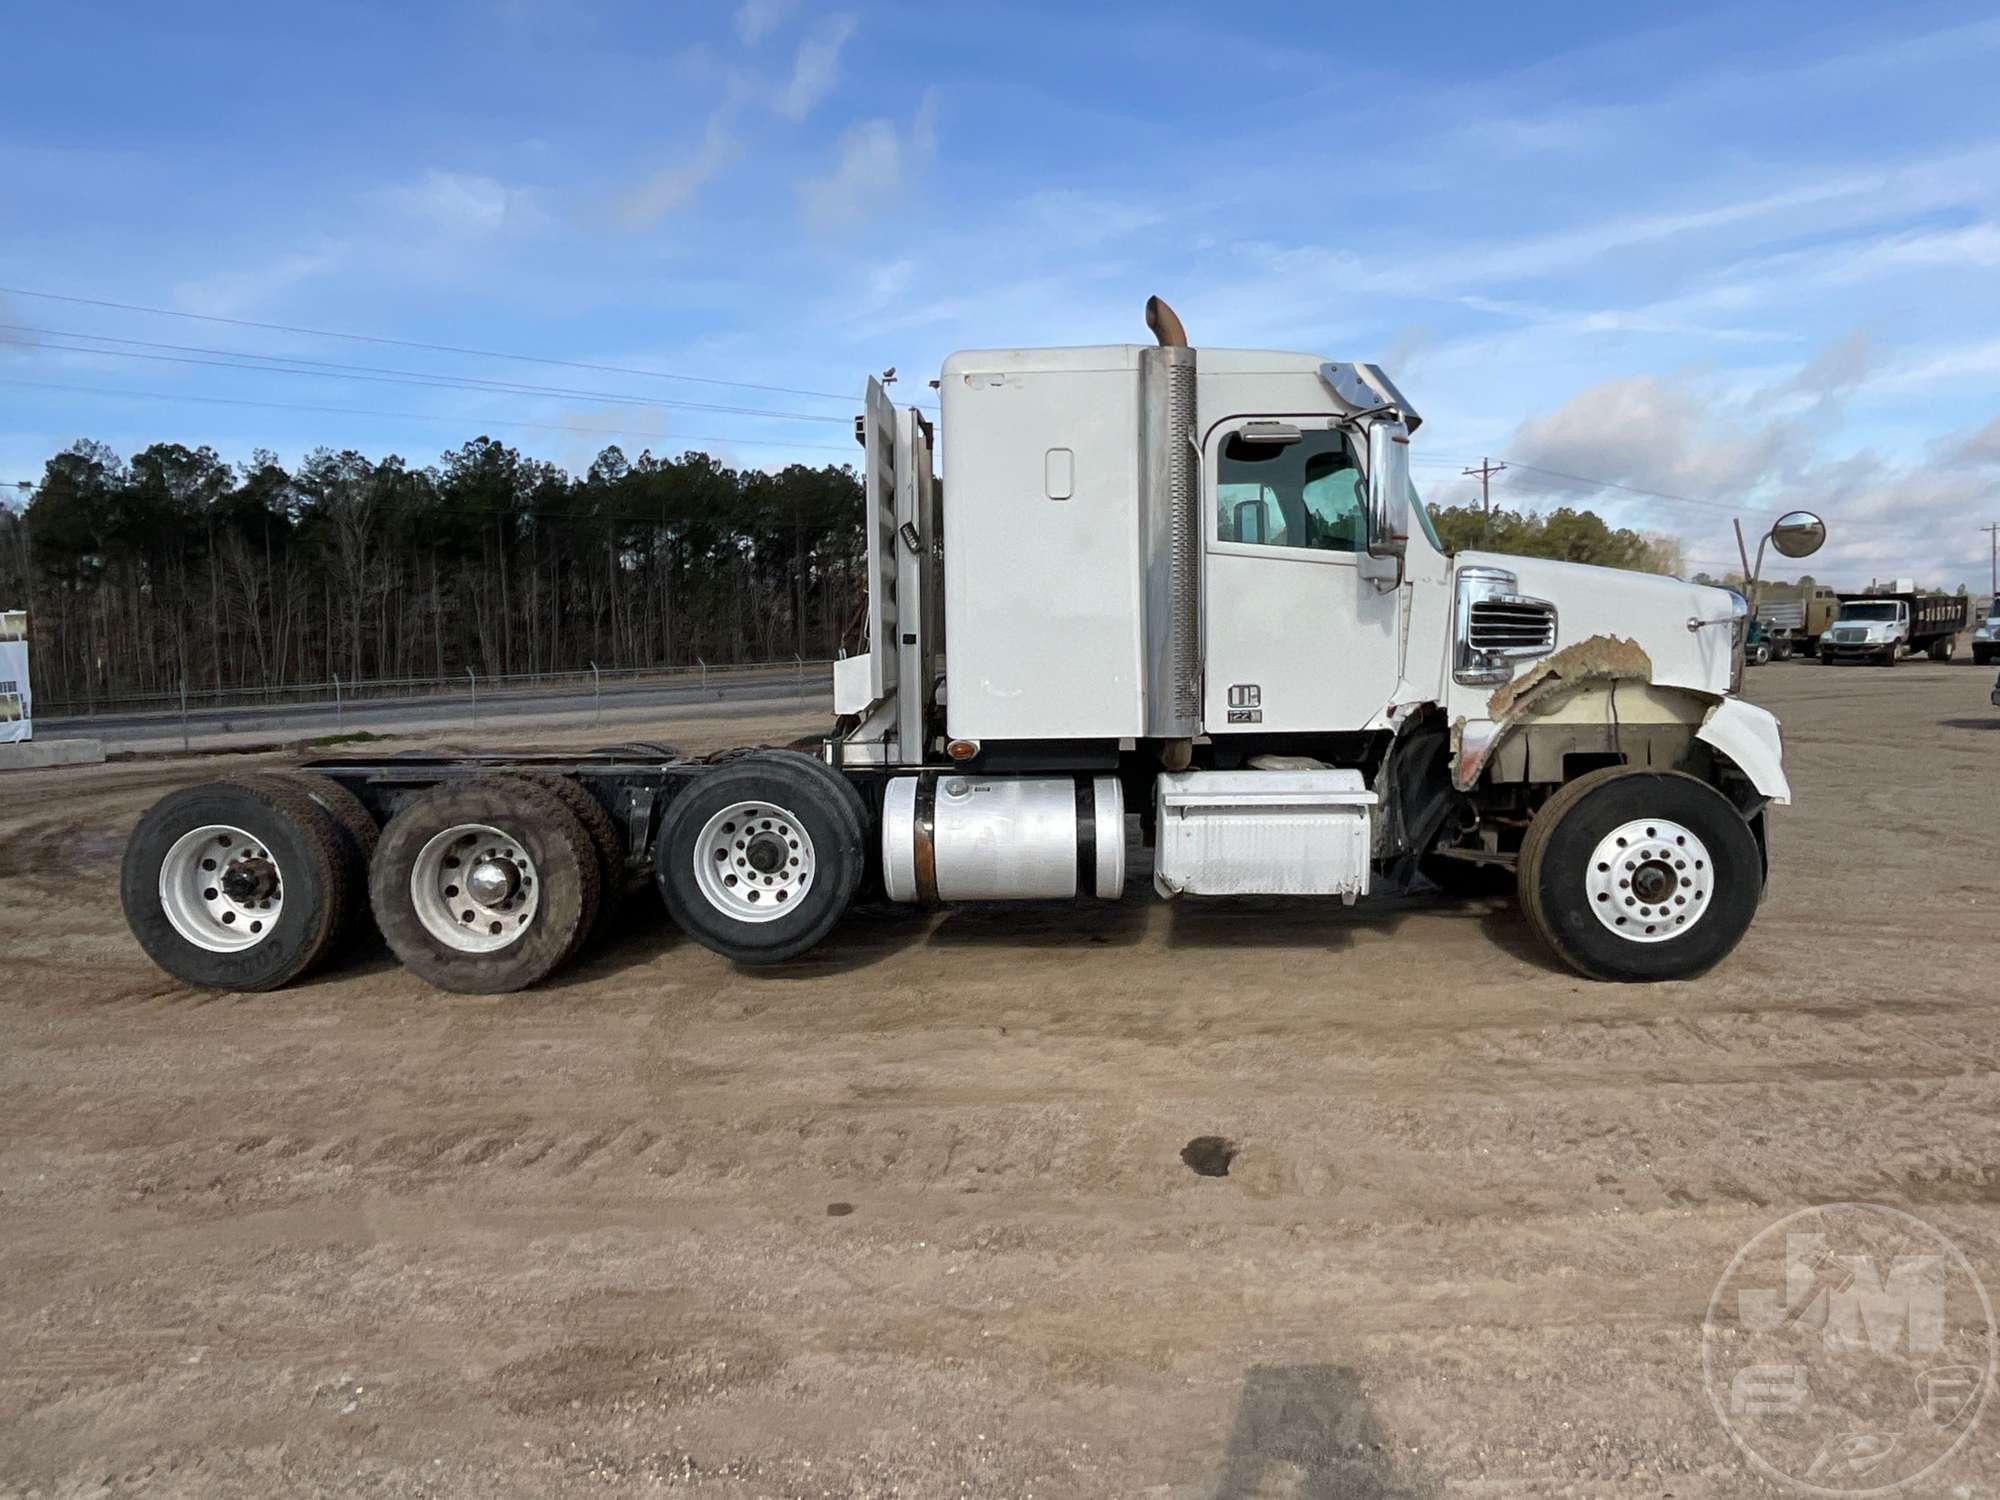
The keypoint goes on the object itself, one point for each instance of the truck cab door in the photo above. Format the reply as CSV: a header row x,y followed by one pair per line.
x,y
1296,639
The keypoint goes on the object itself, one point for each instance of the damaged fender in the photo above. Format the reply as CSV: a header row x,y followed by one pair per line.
x,y
1749,736
1552,681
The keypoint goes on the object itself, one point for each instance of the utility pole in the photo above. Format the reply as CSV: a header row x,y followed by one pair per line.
x,y
1993,536
1484,473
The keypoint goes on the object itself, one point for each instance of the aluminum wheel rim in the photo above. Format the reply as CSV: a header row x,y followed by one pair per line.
x,y
1650,880
753,861
475,888
221,888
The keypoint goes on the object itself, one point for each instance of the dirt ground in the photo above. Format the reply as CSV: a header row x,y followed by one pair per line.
x,y
910,1216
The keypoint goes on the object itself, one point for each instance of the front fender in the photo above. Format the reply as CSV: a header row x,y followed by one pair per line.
x,y
1749,736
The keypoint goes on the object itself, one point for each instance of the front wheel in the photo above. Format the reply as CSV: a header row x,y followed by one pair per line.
x,y
1640,875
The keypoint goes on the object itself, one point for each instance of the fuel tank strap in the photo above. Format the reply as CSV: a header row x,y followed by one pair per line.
x,y
1086,835
924,855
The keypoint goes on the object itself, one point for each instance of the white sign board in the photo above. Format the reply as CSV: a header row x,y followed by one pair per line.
x,y
15,709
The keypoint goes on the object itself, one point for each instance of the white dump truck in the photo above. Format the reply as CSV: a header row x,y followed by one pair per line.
x,y
1889,621
1169,606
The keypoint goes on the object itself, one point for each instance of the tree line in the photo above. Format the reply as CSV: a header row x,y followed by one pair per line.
x,y
1564,534
174,567
177,567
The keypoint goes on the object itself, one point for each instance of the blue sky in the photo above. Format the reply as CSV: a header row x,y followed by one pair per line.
x,y
1744,257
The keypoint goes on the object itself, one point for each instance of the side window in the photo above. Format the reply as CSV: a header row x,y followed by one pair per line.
x,y
1303,494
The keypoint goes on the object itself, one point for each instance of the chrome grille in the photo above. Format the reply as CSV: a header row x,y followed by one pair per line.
x,y
1511,624
1495,625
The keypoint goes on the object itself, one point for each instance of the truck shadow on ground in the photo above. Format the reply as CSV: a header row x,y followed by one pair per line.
x,y
1307,1430
875,930
1988,723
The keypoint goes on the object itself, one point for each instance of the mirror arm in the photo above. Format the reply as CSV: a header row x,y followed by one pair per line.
x,y
1757,574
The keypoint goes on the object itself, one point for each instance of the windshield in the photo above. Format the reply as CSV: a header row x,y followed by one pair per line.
x,y
1882,611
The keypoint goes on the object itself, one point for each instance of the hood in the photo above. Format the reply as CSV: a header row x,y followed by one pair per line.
x,y
1648,609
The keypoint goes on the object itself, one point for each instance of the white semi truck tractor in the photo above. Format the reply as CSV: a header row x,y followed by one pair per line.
x,y
1185,589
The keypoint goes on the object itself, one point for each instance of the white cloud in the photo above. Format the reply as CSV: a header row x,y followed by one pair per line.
x,y
227,294
1838,370
871,163
1654,432
757,19
1981,446
673,185
815,68
465,203
1682,436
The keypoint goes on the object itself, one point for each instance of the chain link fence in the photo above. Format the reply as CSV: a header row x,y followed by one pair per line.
x,y
339,706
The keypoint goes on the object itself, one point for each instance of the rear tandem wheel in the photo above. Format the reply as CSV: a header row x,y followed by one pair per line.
x,y
758,858
236,885
485,886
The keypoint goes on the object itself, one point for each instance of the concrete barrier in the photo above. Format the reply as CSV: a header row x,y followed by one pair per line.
x,y
31,754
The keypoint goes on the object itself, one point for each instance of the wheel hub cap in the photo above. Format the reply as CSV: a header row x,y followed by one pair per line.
x,y
1654,881
753,861
1650,880
493,882
249,880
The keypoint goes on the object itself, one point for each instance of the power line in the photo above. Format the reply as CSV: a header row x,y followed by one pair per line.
x,y
404,416
1630,489
420,378
370,338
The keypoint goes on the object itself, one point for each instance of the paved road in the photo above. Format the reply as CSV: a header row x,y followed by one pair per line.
x,y
291,719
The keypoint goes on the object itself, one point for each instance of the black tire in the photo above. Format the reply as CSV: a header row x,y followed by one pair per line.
x,y
358,835
596,822
1982,656
795,791
812,765
564,860
1564,836
1942,650
312,891
864,823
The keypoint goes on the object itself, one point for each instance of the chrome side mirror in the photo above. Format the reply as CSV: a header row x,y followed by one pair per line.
x,y
1388,488
1798,533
